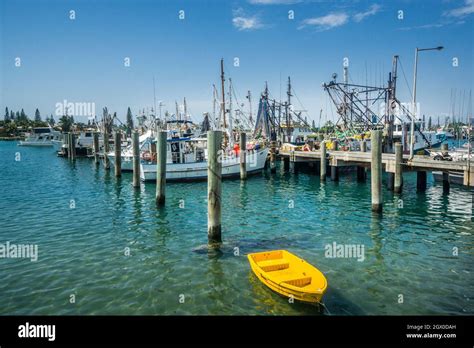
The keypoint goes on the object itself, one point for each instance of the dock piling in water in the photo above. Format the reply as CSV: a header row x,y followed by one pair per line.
x,y
273,156
376,170
398,180
421,181
136,159
322,171
361,174
96,148
67,140
118,153
73,146
214,187
160,167
106,150
335,169
243,155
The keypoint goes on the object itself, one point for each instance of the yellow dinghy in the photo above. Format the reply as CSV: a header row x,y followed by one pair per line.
x,y
288,275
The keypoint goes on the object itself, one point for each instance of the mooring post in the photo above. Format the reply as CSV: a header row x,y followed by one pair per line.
x,y
361,174
273,156
292,162
243,156
445,152
214,186
106,149
118,153
323,162
445,182
73,146
96,148
376,170
398,180
160,167
421,181
335,169
67,140
444,149
136,159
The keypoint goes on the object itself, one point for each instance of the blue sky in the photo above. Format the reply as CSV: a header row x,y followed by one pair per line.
x,y
82,60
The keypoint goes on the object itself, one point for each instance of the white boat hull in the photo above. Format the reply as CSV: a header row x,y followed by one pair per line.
x,y
198,170
35,143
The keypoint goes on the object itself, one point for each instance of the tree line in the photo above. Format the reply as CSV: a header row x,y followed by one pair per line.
x,y
15,121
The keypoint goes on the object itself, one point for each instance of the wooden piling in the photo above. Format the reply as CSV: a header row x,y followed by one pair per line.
x,y
96,148
445,182
273,156
335,169
136,159
398,180
118,153
67,140
73,146
243,156
106,150
214,186
363,146
361,173
421,181
376,170
160,167
444,149
323,162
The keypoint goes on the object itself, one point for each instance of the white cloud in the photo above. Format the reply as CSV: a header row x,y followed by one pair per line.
x,y
465,10
358,17
273,2
425,26
244,22
327,22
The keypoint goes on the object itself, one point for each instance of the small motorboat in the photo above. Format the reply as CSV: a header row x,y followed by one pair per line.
x,y
288,275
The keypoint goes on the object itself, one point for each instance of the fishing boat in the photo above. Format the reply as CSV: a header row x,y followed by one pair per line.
x,y
187,160
40,136
423,139
460,154
288,275
84,144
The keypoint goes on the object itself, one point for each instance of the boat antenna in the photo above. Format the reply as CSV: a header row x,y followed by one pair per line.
x,y
154,98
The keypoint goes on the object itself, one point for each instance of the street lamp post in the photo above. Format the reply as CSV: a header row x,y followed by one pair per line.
x,y
412,128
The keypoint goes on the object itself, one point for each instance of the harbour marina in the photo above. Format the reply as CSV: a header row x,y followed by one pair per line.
x,y
241,179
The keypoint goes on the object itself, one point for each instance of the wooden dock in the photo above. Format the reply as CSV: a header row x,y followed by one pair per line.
x,y
363,159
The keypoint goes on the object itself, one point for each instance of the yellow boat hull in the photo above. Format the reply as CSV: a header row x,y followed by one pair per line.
x,y
288,275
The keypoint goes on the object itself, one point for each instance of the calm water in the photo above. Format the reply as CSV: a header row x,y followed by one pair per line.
x,y
408,250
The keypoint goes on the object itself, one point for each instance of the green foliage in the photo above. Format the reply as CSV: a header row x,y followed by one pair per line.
x,y
129,122
66,123
37,116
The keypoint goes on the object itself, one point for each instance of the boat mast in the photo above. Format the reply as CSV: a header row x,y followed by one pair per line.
x,y
154,101
223,92
249,97
185,110
214,117
287,106
231,135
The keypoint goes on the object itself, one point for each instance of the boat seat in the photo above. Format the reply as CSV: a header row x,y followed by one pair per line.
x,y
299,282
273,265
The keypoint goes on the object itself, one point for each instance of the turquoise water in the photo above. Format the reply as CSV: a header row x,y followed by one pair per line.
x,y
82,243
